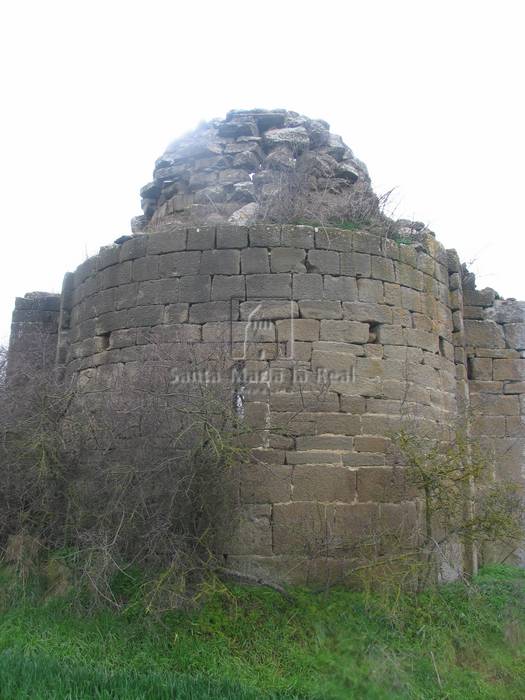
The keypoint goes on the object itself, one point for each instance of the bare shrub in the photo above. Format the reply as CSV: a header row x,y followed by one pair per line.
x,y
296,195
128,467
452,512
462,503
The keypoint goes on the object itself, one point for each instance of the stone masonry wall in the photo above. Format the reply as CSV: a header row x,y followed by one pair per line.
x,y
348,335
341,336
34,332
495,349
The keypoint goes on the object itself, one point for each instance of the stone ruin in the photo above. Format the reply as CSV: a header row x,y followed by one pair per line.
x,y
256,165
394,329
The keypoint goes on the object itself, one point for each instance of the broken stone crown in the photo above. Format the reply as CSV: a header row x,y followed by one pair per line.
x,y
266,165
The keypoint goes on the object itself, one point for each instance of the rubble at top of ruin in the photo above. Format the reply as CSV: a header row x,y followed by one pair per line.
x,y
258,166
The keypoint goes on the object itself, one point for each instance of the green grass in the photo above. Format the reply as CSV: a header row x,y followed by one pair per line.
x,y
32,677
459,642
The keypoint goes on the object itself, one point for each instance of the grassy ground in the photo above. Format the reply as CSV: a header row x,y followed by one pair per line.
x,y
459,642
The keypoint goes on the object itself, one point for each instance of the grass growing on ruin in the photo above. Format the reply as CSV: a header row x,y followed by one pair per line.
x,y
458,642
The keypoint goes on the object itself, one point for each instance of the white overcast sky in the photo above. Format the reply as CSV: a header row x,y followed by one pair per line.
x,y
428,94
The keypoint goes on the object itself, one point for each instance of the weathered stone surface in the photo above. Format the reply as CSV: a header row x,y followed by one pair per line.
x,y
178,264
115,275
195,288
158,292
356,264
147,268
226,287
244,216
495,405
307,286
515,387
515,335
324,261
254,261
353,524
345,331
266,236
507,311
270,286
380,484
201,238
479,297
177,313
167,242
333,239
321,309
288,260
254,532
281,158
484,334
210,311
220,262
266,483
300,527
339,288
370,291
297,329
509,369
234,237
368,443
296,138
267,309
493,426
314,457
383,269
297,236
324,483
481,368
332,361
367,312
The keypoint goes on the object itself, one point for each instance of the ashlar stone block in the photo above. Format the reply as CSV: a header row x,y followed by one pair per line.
x,y
324,262
321,309
287,260
484,334
158,292
201,238
180,263
297,329
166,242
226,287
339,288
383,269
370,291
308,286
195,288
210,311
255,261
356,264
345,331
324,483
269,286
220,262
